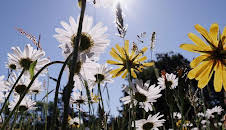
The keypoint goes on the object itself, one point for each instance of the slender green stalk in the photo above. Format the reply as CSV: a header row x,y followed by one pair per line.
x,y
14,85
69,86
21,120
102,103
132,96
26,90
14,121
100,94
46,104
53,126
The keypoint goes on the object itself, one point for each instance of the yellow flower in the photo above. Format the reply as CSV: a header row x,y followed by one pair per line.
x,y
95,98
212,56
184,126
73,122
126,60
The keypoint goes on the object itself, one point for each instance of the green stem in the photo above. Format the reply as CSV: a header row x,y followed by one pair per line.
x,y
15,118
21,120
100,94
14,85
46,105
53,126
102,103
25,92
132,97
69,86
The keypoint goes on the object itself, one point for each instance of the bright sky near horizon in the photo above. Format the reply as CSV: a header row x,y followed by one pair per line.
x,y
172,20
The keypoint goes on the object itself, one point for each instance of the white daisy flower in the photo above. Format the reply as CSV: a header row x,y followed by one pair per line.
x,y
103,3
11,65
102,75
23,60
143,97
23,84
77,98
4,88
205,122
177,115
74,122
26,104
210,112
152,123
168,80
2,97
93,39
85,73
219,124
200,114
187,124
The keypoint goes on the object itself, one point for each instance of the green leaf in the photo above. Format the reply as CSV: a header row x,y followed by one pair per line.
x,y
32,68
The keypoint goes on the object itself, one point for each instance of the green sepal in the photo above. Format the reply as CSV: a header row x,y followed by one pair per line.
x,y
32,68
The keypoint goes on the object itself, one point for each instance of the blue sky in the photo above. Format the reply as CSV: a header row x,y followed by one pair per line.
x,y
172,20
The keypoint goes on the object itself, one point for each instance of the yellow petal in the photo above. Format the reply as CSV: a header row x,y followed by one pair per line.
x,y
203,32
197,60
190,47
132,54
113,62
198,41
115,71
197,70
214,29
122,53
224,78
144,49
205,71
223,36
125,74
148,64
142,59
133,73
140,69
218,77
116,56
127,46
205,79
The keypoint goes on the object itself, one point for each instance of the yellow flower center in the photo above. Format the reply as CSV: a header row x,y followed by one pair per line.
x,y
20,89
148,126
168,84
140,97
25,63
99,77
86,42
23,108
12,66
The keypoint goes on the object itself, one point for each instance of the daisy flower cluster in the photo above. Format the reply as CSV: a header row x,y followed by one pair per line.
x,y
19,65
89,73
212,118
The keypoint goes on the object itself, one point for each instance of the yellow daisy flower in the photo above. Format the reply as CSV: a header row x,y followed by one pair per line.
x,y
212,56
125,60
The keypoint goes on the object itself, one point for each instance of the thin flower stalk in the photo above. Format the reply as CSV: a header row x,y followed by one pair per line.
x,y
26,90
47,100
133,112
69,87
3,107
53,126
